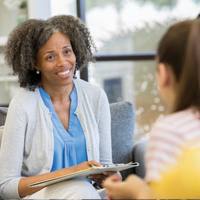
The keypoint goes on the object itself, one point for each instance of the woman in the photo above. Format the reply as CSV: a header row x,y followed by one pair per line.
x,y
178,79
57,124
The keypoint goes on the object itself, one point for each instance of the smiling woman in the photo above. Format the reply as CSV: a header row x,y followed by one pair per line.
x,y
30,37
61,123
57,52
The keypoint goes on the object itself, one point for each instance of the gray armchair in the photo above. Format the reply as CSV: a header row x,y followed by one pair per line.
x,y
3,113
122,129
124,150
138,155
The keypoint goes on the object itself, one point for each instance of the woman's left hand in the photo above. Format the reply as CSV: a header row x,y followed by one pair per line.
x,y
99,178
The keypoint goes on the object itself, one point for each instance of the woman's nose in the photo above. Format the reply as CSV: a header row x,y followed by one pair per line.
x,y
61,61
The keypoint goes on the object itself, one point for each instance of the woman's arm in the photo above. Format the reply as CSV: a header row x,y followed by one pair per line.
x,y
104,125
12,185
11,153
24,183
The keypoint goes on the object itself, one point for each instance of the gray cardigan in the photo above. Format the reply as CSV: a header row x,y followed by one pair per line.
x,y
28,143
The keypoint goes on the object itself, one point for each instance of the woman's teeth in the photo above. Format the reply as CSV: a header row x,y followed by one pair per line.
x,y
63,73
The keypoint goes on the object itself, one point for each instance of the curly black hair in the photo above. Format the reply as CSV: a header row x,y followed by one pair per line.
x,y
30,36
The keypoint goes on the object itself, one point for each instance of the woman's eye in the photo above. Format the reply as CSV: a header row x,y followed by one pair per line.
x,y
49,57
67,51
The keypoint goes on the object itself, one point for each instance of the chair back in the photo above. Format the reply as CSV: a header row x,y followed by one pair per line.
x,y
122,129
3,113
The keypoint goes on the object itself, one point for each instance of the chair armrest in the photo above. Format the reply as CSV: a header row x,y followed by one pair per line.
x,y
138,155
3,113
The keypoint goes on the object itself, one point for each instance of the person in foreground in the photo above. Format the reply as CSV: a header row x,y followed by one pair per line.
x,y
178,79
57,124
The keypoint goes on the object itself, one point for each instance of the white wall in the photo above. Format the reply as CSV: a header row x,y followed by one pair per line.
x,y
8,19
39,9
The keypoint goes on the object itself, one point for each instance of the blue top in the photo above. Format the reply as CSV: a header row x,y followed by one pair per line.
x,y
69,146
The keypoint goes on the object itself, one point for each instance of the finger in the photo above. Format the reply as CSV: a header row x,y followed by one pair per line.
x,y
108,183
112,182
108,197
98,176
115,178
93,162
109,193
119,175
113,189
109,173
100,181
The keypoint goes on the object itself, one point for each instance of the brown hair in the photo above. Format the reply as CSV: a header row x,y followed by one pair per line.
x,y
30,36
179,49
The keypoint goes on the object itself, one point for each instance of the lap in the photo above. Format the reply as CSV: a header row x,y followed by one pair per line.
x,y
71,189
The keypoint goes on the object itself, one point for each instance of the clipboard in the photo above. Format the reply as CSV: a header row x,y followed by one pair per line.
x,y
82,174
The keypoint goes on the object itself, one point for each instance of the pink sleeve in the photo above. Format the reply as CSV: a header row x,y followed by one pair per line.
x,y
163,147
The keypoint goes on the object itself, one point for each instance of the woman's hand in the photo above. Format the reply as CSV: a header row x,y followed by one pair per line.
x,y
133,188
86,165
99,178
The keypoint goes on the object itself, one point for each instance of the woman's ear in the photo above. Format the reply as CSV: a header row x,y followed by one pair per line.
x,y
35,64
163,75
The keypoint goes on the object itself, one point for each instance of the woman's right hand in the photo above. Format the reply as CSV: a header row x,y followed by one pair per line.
x,y
24,182
86,165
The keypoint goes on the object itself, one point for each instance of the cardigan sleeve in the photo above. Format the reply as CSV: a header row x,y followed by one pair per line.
x,y
11,153
104,125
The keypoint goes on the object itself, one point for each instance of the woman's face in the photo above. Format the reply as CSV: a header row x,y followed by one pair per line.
x,y
56,61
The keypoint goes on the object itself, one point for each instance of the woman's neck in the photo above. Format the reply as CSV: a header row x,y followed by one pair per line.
x,y
58,93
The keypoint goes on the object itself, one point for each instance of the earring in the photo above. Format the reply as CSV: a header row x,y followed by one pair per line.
x,y
37,72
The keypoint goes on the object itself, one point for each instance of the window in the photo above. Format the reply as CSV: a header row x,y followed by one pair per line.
x,y
126,33
127,26
113,88
131,81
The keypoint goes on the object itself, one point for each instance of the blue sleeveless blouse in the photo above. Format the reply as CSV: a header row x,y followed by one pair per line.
x,y
69,146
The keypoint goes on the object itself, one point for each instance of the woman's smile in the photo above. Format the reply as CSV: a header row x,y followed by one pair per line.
x,y
65,73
